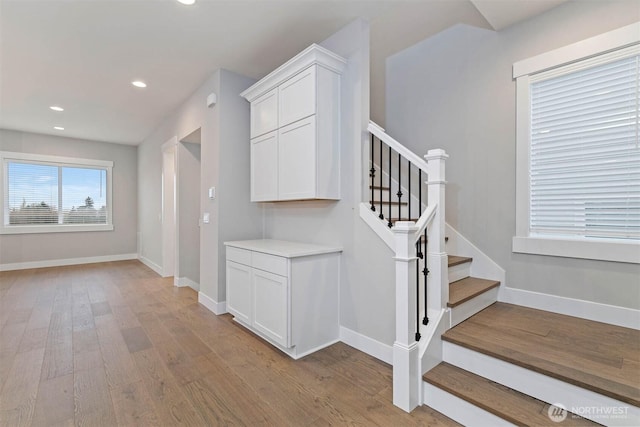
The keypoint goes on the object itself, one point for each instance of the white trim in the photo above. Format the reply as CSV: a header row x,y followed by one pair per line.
x,y
378,225
66,261
211,304
376,130
60,228
458,409
611,40
617,250
182,282
59,162
55,160
152,265
482,265
598,249
367,345
314,54
467,309
537,385
614,315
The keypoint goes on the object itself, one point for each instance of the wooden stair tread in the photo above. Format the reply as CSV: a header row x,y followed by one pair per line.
x,y
465,289
457,260
377,203
377,187
596,356
506,403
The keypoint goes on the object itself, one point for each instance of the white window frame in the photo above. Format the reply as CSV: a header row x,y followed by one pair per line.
x,y
6,157
619,250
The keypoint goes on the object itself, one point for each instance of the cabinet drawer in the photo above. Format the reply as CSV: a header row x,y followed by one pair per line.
x,y
271,263
240,256
297,97
264,113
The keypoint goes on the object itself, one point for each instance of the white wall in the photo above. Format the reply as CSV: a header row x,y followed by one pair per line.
x,y
224,157
367,268
21,248
455,91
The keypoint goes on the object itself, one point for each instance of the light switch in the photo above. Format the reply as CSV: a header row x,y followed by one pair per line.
x,y
205,218
212,193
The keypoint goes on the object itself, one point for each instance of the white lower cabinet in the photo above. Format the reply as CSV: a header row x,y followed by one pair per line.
x,y
270,306
286,292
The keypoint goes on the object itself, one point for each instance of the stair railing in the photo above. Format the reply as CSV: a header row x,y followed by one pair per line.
x,y
421,262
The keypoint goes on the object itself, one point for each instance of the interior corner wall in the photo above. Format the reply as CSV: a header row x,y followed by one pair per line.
x,y
367,291
24,248
190,116
455,91
240,219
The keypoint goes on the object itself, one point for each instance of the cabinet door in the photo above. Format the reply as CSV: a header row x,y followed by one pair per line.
x,y
297,97
264,168
297,160
239,291
271,306
264,113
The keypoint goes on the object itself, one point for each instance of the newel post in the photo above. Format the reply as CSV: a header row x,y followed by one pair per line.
x,y
438,286
406,375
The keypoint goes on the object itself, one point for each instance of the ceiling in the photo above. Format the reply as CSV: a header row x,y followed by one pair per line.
x,y
83,54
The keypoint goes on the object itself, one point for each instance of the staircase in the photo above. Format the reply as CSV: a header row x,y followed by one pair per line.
x,y
458,350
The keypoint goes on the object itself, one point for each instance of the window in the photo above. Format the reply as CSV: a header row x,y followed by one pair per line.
x,y
578,161
44,194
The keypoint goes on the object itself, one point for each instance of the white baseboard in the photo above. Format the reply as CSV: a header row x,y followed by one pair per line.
x,y
67,261
367,345
212,305
182,282
152,265
614,315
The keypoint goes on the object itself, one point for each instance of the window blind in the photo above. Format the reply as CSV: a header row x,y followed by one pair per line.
x,y
39,194
584,150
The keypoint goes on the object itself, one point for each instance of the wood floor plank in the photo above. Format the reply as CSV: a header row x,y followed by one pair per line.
x,y
119,366
93,404
170,402
133,406
55,403
136,339
18,396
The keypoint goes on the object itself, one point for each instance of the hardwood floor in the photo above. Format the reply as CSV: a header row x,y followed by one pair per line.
x,y
114,344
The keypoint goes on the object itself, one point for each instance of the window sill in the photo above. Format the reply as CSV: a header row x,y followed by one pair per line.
x,y
597,249
33,229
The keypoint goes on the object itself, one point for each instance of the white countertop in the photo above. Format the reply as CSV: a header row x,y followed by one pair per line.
x,y
283,248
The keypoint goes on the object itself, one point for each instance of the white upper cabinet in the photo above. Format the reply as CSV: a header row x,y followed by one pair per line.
x,y
264,114
300,101
297,97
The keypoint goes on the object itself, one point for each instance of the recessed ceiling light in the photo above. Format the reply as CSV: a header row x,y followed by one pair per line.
x,y
58,128
56,108
139,83
187,2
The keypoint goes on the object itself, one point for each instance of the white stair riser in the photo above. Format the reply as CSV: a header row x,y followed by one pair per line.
x,y
467,309
459,409
540,386
460,271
